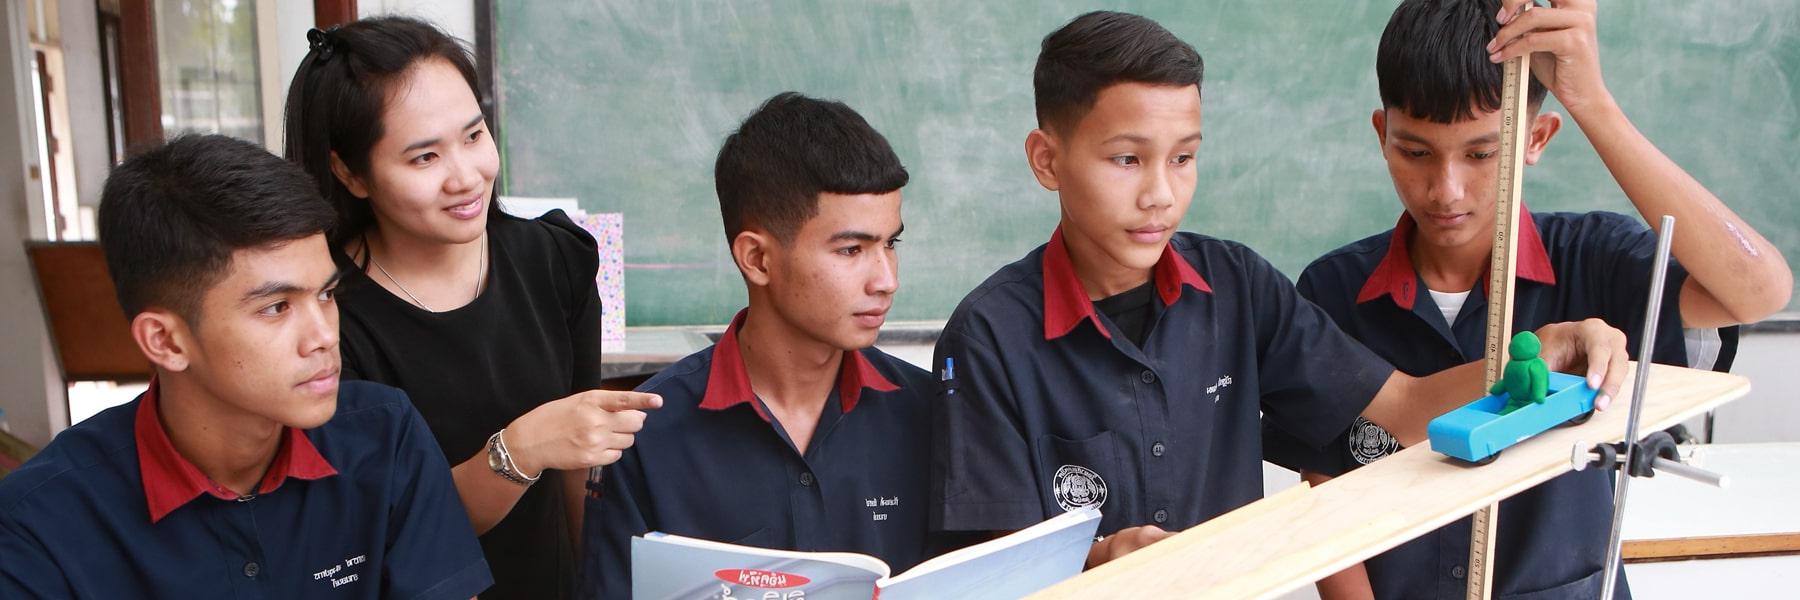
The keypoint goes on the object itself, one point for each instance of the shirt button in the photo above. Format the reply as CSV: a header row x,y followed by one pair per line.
x,y
251,569
1147,376
806,478
1156,449
1457,572
1161,516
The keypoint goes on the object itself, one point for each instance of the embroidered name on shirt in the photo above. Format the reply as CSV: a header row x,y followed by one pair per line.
x,y
880,502
1214,389
331,574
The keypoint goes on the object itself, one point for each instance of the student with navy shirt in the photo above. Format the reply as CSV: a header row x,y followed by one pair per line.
x,y
1413,294
246,470
791,432
1126,366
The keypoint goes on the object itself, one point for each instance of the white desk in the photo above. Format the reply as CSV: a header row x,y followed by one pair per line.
x,y
1764,484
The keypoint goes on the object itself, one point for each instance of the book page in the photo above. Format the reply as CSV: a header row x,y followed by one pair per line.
x,y
669,566
1009,567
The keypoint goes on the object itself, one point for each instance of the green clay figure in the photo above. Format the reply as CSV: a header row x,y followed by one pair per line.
x,y
1527,378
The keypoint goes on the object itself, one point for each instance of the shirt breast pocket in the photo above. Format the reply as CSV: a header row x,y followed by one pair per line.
x,y
763,537
1082,473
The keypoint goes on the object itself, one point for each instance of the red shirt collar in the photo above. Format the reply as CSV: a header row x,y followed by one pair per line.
x,y
170,481
1066,303
1395,275
728,382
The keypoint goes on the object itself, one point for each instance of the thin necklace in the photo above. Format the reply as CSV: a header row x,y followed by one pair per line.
x,y
480,274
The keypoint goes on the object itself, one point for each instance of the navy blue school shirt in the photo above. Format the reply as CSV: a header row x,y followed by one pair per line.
x,y
360,507
1049,407
713,463
1552,538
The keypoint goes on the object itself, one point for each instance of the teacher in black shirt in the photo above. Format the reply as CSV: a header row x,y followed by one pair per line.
x,y
489,322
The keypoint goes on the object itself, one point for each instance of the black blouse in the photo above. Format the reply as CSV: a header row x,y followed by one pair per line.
x,y
532,336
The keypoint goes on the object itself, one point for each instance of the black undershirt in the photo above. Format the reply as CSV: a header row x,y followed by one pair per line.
x,y
1133,311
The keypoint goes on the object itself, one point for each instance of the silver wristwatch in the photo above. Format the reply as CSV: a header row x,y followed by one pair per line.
x,y
501,461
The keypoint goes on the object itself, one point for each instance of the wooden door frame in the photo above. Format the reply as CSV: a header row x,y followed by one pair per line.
x,y
333,12
141,96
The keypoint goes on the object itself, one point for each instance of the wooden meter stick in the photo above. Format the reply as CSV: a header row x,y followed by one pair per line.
x,y
1501,278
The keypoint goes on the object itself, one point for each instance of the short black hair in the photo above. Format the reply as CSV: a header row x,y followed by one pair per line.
x,y
172,215
340,91
1433,60
1100,49
771,171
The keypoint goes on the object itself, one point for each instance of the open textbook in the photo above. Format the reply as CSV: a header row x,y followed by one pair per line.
x,y
670,567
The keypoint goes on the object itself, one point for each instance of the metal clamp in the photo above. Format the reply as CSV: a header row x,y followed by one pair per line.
x,y
1656,453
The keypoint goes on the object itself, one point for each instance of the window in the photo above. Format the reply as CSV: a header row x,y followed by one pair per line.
x,y
207,67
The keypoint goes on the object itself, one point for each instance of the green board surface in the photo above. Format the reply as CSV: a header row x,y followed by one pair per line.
x,y
623,103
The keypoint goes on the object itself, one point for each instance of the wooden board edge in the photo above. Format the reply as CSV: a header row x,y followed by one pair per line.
x,y
1721,546
1104,579
1111,570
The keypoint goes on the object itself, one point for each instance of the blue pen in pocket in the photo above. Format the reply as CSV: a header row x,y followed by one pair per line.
x,y
947,378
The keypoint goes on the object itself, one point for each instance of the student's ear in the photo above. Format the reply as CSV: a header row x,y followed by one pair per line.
x,y
1379,120
164,338
351,182
1543,127
751,251
1040,152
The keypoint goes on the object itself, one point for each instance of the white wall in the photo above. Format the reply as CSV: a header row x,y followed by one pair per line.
x,y
86,97
293,19
31,391
1771,412
455,16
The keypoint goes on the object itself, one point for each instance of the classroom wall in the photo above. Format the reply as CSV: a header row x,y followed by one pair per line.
x,y
455,16
87,97
30,389
294,19
1771,412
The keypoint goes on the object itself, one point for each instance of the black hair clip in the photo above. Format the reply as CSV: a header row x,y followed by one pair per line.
x,y
322,43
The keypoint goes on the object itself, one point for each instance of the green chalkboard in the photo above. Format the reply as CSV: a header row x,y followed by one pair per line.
x,y
623,104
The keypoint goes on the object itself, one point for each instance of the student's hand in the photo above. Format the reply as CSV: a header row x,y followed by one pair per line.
x,y
1592,346
588,429
1566,55
1124,542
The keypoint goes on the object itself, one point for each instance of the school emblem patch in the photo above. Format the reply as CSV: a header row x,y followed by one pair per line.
x,y
1079,487
1369,442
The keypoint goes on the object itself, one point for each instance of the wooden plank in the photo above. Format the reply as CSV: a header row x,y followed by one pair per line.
x,y
1374,508
87,327
1290,499
1723,546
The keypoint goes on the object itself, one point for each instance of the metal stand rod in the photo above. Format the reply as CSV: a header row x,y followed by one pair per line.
x,y
1586,458
1718,480
1658,276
